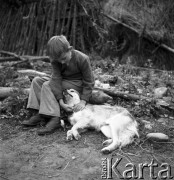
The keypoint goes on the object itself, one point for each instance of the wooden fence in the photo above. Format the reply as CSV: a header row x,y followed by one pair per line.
x,y
26,30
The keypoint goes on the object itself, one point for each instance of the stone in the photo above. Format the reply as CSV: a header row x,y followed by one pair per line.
x,y
161,102
159,137
160,92
163,120
147,124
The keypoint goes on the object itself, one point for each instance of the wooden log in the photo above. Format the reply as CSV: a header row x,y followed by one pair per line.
x,y
8,91
124,95
30,72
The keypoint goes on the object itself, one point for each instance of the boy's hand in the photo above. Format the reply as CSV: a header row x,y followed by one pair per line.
x,y
80,106
67,108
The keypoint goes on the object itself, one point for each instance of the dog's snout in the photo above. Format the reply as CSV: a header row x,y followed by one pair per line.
x,y
65,93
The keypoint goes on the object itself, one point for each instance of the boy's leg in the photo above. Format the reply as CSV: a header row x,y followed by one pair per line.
x,y
48,103
34,100
35,92
49,106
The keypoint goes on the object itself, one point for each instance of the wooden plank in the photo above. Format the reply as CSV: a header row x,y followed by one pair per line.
x,y
16,34
63,21
69,19
4,32
74,25
45,31
27,45
57,31
27,27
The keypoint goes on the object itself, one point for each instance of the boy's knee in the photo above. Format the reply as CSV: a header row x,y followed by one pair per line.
x,y
46,84
36,80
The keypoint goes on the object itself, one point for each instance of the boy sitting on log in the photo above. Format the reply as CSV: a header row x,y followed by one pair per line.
x,y
71,70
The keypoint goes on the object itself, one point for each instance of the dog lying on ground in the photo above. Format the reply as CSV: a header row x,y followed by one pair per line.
x,y
115,122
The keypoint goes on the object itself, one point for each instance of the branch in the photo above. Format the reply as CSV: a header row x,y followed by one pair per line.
x,y
144,35
22,59
12,54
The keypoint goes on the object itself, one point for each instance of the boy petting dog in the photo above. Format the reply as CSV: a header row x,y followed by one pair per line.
x,y
71,70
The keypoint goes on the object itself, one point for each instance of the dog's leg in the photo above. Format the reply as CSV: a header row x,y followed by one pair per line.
x,y
115,143
74,130
115,136
106,130
107,142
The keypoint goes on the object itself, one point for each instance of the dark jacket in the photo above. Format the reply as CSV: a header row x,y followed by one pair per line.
x,y
78,70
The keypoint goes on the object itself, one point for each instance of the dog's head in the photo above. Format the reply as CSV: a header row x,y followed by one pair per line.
x,y
71,97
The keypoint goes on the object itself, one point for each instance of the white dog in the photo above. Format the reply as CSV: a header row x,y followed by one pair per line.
x,y
115,122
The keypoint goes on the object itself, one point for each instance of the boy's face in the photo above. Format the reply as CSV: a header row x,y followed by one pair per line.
x,y
65,58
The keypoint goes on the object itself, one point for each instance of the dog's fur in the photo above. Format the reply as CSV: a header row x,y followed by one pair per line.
x,y
115,122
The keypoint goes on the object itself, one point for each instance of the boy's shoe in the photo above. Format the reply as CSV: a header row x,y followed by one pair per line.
x,y
34,120
51,126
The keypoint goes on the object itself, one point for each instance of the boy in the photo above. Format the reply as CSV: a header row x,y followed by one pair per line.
x,y
71,69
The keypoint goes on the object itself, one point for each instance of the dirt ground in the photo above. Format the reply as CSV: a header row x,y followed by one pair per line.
x,y
26,156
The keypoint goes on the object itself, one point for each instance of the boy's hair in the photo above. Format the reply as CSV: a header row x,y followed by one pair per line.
x,y
57,45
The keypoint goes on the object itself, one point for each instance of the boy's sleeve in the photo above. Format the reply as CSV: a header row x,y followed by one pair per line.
x,y
87,78
56,81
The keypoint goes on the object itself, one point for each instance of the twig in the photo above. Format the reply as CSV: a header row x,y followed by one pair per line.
x,y
11,54
86,159
131,154
60,172
152,154
37,159
128,158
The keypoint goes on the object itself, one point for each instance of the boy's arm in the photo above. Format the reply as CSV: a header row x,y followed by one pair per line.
x,y
87,78
56,81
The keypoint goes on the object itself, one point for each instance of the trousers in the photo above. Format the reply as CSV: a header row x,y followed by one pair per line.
x,y
42,98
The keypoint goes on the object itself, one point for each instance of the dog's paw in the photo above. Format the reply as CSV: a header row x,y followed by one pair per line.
x,y
107,142
69,136
105,151
77,136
